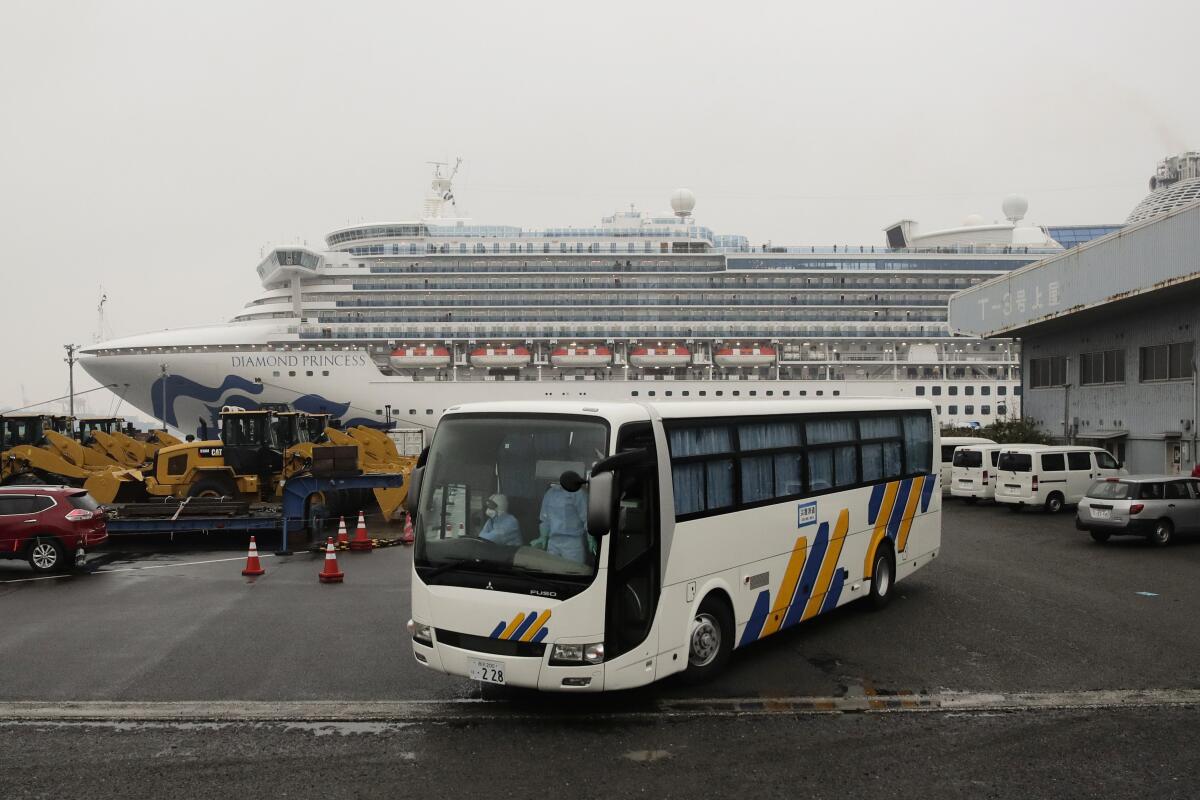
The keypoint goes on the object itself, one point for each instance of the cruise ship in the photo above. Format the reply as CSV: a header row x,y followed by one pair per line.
x,y
394,322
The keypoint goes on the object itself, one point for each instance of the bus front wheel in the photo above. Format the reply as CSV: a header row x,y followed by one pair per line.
x,y
883,577
710,641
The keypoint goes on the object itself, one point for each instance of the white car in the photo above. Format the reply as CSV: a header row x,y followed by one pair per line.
x,y
974,474
1051,477
949,445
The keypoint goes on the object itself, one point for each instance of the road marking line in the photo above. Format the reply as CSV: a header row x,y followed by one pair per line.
x,y
135,569
475,709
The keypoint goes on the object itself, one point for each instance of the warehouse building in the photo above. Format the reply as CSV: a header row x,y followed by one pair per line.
x,y
1108,330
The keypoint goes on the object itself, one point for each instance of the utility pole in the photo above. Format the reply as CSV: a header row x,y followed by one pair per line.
x,y
70,359
163,367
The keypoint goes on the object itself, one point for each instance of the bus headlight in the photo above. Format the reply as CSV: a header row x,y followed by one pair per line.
x,y
421,633
564,655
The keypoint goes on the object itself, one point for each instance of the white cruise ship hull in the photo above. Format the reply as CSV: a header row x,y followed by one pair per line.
x,y
348,385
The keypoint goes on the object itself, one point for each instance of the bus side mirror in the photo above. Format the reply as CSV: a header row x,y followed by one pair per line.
x,y
414,490
599,510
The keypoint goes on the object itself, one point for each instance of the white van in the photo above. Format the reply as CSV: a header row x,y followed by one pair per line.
x,y
1051,477
974,473
949,443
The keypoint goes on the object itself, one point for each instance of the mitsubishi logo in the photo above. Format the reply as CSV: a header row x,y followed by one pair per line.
x,y
490,585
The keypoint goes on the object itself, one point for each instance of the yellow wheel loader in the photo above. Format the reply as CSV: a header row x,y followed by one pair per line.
x,y
106,436
34,450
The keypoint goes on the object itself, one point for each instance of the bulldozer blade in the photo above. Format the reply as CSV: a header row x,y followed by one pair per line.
x,y
116,486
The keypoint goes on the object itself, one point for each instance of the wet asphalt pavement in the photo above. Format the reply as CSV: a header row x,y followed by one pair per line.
x,y
1015,603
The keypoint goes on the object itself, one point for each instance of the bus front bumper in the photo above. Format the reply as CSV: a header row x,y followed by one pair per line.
x,y
524,672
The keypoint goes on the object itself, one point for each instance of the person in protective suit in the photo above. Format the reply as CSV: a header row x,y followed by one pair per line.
x,y
501,527
562,524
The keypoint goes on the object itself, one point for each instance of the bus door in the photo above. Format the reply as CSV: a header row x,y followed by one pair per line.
x,y
633,576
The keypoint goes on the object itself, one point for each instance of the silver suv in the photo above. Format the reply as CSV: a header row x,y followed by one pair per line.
x,y
1154,506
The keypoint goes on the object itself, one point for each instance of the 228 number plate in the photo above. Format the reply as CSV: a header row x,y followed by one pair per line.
x,y
485,671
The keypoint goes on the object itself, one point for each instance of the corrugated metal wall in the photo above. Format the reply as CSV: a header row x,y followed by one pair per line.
x,y
1148,411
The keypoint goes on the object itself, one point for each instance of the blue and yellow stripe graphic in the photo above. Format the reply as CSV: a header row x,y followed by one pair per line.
x,y
811,583
891,511
529,627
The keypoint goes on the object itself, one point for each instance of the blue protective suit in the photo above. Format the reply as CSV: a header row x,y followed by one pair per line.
x,y
563,521
502,529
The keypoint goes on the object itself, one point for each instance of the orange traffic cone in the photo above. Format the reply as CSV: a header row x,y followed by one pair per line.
x,y
407,537
253,565
360,542
330,573
343,537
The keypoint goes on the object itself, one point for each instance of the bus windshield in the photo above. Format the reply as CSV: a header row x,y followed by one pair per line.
x,y
491,502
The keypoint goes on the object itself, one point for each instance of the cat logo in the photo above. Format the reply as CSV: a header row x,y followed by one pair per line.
x,y
210,452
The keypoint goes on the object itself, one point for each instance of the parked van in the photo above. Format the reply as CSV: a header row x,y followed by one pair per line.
x,y
1051,477
949,443
974,474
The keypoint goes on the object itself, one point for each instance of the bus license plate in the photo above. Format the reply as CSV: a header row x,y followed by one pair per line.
x,y
1102,513
485,671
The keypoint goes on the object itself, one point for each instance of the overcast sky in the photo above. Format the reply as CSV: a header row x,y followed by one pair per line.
x,y
154,148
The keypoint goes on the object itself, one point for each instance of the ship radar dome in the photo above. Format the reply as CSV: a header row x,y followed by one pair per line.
x,y
972,220
1014,207
682,202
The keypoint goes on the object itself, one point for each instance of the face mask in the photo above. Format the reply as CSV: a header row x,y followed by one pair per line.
x,y
491,512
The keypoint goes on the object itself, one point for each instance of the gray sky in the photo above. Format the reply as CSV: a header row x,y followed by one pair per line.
x,y
155,148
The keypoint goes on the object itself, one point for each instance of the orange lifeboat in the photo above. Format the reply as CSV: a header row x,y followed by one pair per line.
x,y
581,356
744,356
500,356
659,356
414,357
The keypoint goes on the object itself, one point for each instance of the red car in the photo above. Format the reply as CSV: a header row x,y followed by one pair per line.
x,y
47,525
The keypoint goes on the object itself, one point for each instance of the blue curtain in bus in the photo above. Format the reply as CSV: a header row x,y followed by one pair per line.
x,y
688,483
699,441
832,466
918,443
880,461
824,431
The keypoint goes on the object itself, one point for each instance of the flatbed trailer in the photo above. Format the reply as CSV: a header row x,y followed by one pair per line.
x,y
288,519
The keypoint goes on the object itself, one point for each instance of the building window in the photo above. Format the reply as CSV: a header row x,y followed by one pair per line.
x,y
1166,362
985,409
969,390
968,409
985,390
1049,371
633,394
1107,366
953,409
952,391
1002,410
920,391
1002,390
937,391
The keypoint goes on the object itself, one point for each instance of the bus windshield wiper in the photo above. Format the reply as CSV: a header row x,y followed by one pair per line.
x,y
448,567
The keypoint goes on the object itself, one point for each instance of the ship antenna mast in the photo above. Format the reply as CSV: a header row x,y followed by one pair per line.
x,y
441,190
100,334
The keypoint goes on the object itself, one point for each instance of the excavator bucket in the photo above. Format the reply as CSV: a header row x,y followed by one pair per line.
x,y
116,486
391,501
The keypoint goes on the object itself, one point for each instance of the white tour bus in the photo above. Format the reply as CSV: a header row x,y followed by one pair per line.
x,y
949,445
1051,477
568,546
974,474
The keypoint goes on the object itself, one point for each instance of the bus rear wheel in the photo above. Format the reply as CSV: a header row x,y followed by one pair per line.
x,y
710,641
883,577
